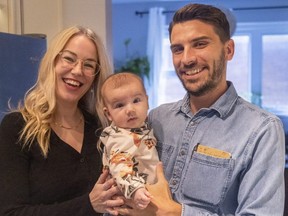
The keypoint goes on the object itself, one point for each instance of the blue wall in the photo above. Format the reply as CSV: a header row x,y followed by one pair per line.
x,y
127,25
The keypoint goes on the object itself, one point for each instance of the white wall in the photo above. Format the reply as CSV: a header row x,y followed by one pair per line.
x,y
3,16
42,16
95,14
50,16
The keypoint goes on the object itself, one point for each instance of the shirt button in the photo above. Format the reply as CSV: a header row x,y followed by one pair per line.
x,y
182,152
174,182
82,160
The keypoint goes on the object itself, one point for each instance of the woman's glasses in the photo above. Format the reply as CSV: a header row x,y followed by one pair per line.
x,y
69,60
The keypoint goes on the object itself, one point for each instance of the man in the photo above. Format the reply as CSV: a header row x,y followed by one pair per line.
x,y
221,155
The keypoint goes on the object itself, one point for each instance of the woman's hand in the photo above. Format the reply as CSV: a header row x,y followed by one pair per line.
x,y
102,193
161,203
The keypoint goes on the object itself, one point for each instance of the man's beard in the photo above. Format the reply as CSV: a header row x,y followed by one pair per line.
x,y
213,79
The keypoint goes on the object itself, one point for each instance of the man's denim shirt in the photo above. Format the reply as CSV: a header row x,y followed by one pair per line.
x,y
250,182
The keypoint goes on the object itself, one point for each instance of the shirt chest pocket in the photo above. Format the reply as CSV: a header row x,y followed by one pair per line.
x,y
207,179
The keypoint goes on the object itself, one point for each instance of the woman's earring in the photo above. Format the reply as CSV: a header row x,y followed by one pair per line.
x,y
92,93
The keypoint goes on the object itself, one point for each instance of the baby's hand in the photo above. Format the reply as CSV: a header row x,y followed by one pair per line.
x,y
142,198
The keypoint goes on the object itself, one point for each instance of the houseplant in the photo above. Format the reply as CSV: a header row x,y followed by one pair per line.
x,y
137,65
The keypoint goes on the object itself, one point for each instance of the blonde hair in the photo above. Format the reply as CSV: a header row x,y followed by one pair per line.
x,y
40,101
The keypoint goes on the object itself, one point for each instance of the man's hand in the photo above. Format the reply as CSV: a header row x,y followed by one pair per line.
x,y
161,203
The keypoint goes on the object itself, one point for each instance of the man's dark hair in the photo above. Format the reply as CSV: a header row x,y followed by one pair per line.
x,y
205,13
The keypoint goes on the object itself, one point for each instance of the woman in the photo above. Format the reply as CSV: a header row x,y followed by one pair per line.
x,y
48,155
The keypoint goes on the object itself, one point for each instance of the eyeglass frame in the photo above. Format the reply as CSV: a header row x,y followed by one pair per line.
x,y
71,64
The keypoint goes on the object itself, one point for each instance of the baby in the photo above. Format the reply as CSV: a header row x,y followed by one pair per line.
x,y
129,143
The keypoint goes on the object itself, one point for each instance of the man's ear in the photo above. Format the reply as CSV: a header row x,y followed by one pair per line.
x,y
107,113
230,47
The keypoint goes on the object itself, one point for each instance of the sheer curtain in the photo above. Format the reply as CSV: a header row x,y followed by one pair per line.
x,y
156,28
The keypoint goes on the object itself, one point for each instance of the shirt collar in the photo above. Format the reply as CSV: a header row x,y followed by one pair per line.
x,y
223,105
144,126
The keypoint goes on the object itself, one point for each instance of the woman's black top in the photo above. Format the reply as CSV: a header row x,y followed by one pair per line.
x,y
59,185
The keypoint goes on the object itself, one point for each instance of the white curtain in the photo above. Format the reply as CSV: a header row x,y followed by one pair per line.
x,y
156,33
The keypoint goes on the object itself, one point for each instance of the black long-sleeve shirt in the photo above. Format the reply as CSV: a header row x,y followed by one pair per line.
x,y
59,185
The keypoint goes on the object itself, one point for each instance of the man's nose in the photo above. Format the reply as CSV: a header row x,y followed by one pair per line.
x,y
189,56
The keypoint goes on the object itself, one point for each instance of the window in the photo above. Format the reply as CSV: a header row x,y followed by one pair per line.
x,y
238,69
275,75
170,87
